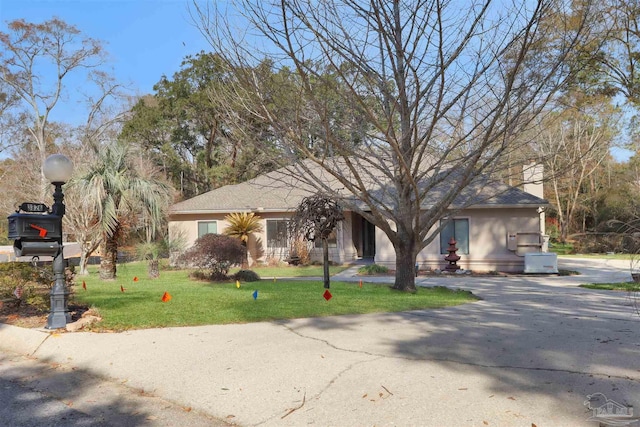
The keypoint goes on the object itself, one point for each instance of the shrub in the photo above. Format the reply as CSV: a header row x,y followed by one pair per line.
x,y
34,282
247,276
373,269
274,262
604,242
215,253
300,249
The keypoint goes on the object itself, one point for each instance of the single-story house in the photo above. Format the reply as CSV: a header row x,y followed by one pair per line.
x,y
492,234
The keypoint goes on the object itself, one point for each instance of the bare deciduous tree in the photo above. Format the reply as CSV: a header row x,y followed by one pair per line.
x,y
441,89
38,61
572,145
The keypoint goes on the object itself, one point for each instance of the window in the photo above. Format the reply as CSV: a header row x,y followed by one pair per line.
x,y
277,233
459,230
207,227
332,240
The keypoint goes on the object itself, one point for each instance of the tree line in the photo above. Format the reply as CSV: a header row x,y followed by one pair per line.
x,y
393,100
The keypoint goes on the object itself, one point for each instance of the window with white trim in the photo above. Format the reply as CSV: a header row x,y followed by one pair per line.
x,y
458,228
277,233
207,227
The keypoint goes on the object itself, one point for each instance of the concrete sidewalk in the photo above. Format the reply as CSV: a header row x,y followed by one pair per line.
x,y
529,353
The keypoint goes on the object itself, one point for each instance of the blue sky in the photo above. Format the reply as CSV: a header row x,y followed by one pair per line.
x,y
144,38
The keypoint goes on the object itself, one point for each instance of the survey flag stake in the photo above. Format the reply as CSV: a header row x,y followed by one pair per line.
x,y
327,295
122,288
255,294
360,283
84,285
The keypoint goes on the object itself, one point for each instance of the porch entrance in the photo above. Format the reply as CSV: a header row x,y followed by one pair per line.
x,y
368,239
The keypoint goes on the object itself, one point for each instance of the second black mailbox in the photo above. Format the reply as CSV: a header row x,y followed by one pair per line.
x,y
35,234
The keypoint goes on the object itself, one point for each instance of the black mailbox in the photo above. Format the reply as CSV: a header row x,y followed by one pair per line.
x,y
35,234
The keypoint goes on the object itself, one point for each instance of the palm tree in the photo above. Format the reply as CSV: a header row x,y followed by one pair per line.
x,y
242,225
122,187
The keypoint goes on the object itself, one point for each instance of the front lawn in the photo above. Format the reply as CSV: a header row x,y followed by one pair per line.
x,y
294,271
623,286
201,303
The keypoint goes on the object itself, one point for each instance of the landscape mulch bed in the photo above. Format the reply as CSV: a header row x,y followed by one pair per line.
x,y
25,316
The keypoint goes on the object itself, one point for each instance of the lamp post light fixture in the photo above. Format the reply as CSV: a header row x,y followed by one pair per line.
x,y
57,169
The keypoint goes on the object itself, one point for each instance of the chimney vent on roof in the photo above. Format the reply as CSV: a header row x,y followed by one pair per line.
x,y
533,175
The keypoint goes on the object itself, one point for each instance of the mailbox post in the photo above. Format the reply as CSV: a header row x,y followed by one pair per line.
x,y
57,169
37,231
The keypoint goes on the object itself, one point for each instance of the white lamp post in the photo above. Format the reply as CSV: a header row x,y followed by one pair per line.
x,y
57,169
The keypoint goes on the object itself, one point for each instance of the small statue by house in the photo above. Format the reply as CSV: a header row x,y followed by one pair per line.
x,y
452,258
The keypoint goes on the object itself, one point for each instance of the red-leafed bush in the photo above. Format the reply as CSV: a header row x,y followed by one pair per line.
x,y
215,253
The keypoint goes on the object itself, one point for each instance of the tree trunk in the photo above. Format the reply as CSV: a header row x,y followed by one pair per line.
x,y
325,257
245,258
405,266
84,260
85,253
108,258
153,268
564,232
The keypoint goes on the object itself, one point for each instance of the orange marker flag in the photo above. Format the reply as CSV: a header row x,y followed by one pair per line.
x,y
122,288
361,283
135,279
166,297
84,285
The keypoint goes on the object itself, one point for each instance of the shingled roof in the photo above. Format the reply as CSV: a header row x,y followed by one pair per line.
x,y
281,191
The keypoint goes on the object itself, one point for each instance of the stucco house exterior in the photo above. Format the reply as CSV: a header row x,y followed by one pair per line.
x,y
492,234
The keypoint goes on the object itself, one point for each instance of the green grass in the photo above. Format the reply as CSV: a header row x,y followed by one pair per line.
x,y
623,286
561,248
294,271
625,257
566,251
200,303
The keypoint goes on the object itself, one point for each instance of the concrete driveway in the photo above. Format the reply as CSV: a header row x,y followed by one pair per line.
x,y
530,352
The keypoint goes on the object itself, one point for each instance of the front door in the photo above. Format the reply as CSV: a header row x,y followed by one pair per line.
x,y
368,239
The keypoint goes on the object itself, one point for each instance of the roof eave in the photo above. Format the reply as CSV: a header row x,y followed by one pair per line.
x,y
228,211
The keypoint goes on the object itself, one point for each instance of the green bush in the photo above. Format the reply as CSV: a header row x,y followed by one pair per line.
x,y
373,269
247,276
